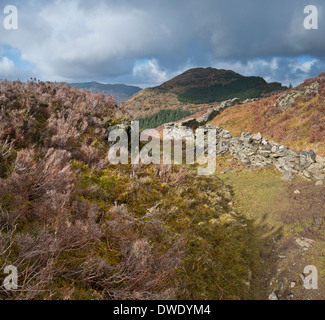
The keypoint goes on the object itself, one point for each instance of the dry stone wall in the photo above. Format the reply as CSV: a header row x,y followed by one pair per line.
x,y
255,150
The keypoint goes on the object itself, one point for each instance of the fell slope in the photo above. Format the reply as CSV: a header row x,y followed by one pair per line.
x,y
78,227
296,120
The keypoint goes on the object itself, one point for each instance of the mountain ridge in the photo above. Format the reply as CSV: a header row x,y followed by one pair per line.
x,y
120,92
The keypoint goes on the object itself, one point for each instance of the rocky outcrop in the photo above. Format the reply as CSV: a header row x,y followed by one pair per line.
x,y
286,100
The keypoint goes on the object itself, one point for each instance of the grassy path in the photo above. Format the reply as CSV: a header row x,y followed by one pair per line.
x,y
283,212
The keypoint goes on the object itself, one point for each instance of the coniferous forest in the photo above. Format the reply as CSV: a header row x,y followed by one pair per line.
x,y
163,116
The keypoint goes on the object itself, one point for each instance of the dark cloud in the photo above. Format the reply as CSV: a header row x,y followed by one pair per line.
x,y
146,42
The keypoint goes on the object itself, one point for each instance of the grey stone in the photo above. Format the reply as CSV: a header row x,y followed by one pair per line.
x,y
315,168
311,156
320,160
273,296
169,125
305,243
257,137
229,103
288,176
306,174
225,134
265,142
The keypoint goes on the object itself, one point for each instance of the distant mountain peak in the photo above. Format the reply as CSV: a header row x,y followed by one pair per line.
x,y
120,92
199,77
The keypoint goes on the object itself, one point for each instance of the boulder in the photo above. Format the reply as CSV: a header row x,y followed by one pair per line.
x,y
257,137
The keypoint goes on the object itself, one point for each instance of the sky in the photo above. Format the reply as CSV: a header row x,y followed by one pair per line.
x,y
147,42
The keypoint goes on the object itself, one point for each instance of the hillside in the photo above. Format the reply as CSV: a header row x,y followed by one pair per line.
x,y
296,119
78,227
120,92
198,89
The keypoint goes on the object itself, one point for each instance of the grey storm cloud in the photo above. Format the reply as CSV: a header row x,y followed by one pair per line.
x,y
148,41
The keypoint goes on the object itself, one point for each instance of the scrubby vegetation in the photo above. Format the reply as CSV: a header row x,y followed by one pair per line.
x,y
77,227
163,116
243,88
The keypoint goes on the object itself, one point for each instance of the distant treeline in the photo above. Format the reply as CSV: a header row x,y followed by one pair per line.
x,y
163,116
245,88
